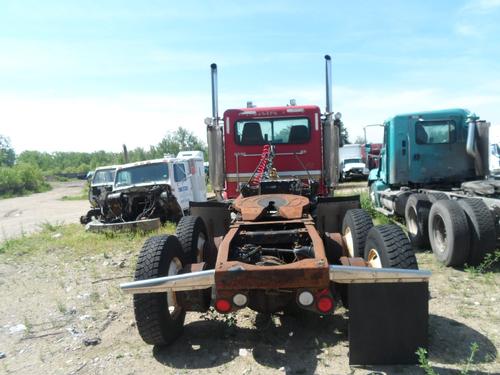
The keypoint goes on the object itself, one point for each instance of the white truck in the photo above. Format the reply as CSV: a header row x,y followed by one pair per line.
x,y
150,192
351,162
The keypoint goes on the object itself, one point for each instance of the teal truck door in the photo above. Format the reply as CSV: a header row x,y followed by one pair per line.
x,y
399,146
436,149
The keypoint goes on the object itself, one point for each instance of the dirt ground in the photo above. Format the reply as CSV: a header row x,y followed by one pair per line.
x,y
61,312
24,215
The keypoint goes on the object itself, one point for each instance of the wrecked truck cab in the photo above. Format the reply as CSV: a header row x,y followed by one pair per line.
x,y
143,190
148,193
100,185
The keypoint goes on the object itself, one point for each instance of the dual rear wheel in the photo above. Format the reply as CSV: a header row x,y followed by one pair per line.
x,y
159,316
383,246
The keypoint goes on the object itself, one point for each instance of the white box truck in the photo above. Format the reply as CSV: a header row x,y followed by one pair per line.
x,y
351,162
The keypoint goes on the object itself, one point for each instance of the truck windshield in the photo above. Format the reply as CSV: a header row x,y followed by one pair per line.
x,y
275,131
352,161
432,132
141,174
104,176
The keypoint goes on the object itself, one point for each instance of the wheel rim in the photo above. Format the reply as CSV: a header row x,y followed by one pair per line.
x,y
200,246
349,242
439,235
412,223
174,267
373,259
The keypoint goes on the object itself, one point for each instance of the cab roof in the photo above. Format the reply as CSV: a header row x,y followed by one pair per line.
x,y
146,162
461,112
286,111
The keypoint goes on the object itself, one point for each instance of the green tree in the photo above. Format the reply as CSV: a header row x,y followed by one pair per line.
x,y
7,154
178,140
344,134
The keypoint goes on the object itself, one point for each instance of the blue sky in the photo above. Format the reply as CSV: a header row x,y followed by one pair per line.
x,y
89,75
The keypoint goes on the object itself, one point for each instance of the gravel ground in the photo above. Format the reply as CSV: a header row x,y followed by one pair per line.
x,y
23,215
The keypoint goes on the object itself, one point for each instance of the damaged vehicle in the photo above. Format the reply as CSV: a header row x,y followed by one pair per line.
x,y
101,184
146,194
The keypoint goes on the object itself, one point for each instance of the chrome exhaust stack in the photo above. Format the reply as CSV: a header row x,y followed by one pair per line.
x,y
331,133
215,142
176,283
357,275
328,83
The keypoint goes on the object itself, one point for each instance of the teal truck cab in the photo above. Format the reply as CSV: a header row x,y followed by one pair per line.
x,y
434,173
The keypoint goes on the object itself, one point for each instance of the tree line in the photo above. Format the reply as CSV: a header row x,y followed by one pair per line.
x,y
24,173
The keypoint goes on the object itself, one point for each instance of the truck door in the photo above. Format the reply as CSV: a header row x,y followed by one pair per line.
x,y
183,190
436,150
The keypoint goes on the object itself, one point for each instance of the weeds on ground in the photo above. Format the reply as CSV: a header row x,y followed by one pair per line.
x,y
368,206
490,261
62,307
49,227
73,241
425,365
423,362
230,319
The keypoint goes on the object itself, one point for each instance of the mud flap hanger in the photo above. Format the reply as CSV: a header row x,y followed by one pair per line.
x,y
338,274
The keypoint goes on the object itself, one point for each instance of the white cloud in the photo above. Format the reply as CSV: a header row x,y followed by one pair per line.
x,y
141,120
481,6
105,123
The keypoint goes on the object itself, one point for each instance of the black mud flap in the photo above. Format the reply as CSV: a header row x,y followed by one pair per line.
x,y
387,322
216,216
330,212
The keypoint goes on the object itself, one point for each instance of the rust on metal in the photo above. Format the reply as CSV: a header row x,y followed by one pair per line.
x,y
305,273
288,206
357,262
218,241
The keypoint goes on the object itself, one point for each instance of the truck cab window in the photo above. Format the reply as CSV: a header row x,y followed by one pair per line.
x,y
276,131
435,132
179,172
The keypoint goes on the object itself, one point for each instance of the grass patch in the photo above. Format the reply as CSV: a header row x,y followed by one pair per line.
x,y
84,195
72,241
429,370
490,262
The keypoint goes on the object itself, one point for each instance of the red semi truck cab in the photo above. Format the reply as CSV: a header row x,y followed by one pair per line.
x,y
295,132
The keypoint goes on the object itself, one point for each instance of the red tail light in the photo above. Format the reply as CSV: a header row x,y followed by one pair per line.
x,y
223,305
324,302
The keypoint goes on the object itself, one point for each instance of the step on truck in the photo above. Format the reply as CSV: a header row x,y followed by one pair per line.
x,y
275,239
434,173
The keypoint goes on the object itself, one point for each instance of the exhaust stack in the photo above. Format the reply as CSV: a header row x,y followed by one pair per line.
x,y
215,98
215,142
331,133
328,83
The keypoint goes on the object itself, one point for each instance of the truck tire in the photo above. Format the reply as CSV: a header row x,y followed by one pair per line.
x,y
449,233
192,234
434,197
416,217
387,246
481,227
159,320
355,228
